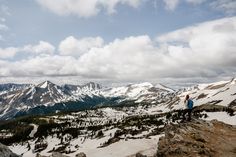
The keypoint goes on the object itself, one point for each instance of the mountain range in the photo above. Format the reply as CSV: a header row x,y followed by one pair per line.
x,y
105,121
47,97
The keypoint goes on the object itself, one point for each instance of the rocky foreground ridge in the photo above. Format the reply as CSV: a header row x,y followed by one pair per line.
x,y
198,138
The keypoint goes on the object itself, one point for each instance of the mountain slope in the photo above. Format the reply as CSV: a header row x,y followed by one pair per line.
x,y
44,94
221,93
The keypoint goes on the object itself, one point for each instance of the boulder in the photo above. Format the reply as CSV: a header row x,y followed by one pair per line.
x,y
80,155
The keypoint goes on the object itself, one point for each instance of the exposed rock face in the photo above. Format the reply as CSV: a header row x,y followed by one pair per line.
x,y
80,155
198,138
6,152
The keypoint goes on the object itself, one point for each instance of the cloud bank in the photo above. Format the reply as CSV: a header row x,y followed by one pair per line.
x,y
200,51
41,48
74,47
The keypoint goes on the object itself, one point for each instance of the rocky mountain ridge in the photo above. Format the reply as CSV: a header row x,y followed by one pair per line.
x,y
49,96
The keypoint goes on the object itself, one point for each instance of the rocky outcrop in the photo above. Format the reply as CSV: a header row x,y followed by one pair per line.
x,y
198,138
6,152
140,155
81,155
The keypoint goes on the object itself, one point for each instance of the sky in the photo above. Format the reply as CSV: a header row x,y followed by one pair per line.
x,y
174,42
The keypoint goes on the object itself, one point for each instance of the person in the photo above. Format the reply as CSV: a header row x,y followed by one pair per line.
x,y
189,107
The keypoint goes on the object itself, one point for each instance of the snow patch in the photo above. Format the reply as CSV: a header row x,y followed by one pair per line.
x,y
221,116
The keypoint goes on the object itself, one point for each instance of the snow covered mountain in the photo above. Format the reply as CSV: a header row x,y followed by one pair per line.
x,y
130,128
26,97
142,92
222,93
47,97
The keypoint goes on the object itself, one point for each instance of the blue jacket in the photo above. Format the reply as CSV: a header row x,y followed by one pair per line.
x,y
190,104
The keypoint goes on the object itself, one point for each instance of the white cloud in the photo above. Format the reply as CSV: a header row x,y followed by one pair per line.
x,y
227,6
76,47
205,50
41,48
85,8
122,58
201,51
39,66
210,45
171,4
8,52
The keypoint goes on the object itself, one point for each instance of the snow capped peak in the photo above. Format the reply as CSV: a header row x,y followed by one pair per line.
x,y
45,84
139,92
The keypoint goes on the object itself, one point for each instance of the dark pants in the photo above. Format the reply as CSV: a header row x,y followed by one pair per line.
x,y
189,111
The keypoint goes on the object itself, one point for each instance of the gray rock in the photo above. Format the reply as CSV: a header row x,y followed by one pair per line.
x,y
80,155
6,152
140,155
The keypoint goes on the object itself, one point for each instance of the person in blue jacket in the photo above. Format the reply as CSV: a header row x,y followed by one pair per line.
x,y
189,107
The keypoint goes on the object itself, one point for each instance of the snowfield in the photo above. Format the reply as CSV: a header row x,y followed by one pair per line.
x,y
90,147
221,116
